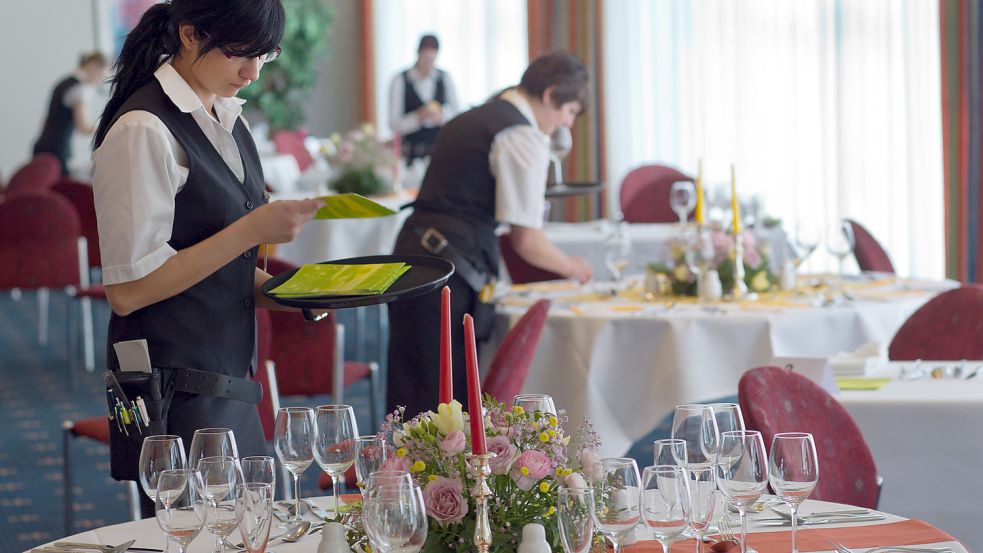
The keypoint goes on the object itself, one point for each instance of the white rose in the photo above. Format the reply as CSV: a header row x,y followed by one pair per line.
x,y
449,417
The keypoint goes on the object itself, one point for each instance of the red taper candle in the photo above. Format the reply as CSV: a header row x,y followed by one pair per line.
x,y
446,366
474,389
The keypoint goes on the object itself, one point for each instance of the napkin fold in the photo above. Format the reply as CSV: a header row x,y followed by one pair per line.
x,y
350,206
858,362
326,279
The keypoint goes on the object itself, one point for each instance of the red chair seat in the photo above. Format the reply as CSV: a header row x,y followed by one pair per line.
x,y
94,428
645,194
509,368
868,251
947,328
324,482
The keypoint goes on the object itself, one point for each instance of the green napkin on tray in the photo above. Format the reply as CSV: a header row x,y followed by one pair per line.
x,y
340,280
350,206
858,383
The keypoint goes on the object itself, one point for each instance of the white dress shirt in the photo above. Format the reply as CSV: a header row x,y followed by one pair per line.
x,y
426,88
519,161
139,169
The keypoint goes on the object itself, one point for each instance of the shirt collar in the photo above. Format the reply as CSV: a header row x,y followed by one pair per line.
x,y
513,97
181,93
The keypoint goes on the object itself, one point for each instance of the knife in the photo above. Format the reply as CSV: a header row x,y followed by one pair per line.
x,y
121,548
816,521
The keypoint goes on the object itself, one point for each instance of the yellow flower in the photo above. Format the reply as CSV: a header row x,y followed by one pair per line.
x,y
449,418
432,477
544,487
553,421
401,452
535,426
567,472
760,282
552,433
559,471
550,511
418,466
544,437
518,410
524,471
335,137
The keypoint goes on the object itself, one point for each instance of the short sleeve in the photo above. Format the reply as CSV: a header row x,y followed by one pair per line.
x,y
519,159
135,178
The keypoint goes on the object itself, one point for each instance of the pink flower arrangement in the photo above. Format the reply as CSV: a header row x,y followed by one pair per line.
x,y
504,452
453,443
444,500
529,468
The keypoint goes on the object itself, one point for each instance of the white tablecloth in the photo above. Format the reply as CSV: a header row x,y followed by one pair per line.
x,y
280,171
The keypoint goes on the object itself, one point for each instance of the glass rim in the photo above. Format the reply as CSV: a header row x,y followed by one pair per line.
x,y
293,410
334,407
213,430
369,437
665,468
695,406
792,435
532,396
740,433
217,459
175,471
162,437
727,403
564,490
257,485
249,457
669,441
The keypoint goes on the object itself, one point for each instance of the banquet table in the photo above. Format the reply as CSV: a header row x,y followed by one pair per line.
x,y
893,530
625,362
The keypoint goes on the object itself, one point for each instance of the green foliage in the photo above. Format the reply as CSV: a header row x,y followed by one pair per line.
x,y
282,91
362,181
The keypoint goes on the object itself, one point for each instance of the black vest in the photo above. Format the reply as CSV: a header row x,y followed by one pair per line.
x,y
420,142
56,135
210,326
458,192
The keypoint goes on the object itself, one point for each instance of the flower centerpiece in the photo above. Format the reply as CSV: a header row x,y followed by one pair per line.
x,y
360,162
680,269
533,457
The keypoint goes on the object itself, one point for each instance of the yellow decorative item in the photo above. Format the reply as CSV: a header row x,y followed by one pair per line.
x,y
861,384
340,280
699,192
735,207
449,417
351,206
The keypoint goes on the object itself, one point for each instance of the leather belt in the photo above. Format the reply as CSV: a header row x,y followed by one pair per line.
x,y
218,385
434,241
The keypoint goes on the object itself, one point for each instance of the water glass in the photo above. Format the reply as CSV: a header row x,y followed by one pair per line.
x,y
682,199
259,469
159,453
728,417
394,517
702,500
370,454
840,241
670,451
255,508
617,498
574,508
334,443
293,439
743,473
221,484
793,471
180,506
697,426
805,240
617,251
212,442
535,402
664,488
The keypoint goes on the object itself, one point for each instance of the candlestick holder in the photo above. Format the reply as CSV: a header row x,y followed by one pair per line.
x,y
481,492
739,289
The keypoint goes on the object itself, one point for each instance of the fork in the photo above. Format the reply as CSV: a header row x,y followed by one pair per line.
x,y
840,548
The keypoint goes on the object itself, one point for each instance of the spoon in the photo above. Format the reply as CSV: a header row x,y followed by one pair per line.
x,y
290,535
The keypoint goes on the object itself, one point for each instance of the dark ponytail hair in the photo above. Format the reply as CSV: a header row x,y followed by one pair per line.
x,y
247,28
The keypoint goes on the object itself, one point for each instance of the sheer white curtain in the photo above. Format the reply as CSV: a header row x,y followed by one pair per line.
x,y
483,45
828,109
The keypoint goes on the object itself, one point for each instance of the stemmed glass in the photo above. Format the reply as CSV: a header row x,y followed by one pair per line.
x,y
370,454
394,516
793,470
682,199
157,454
665,490
334,444
293,440
702,500
574,508
212,442
255,510
697,426
259,469
180,507
617,498
742,476
221,483
728,417
670,451
617,250
840,242
805,240
535,402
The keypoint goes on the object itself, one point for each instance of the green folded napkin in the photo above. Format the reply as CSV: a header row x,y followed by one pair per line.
x,y
852,383
340,280
350,206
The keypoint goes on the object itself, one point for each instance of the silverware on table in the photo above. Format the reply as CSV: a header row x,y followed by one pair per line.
x,y
121,548
819,521
840,548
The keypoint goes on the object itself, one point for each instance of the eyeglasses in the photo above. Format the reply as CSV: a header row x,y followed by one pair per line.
x,y
263,58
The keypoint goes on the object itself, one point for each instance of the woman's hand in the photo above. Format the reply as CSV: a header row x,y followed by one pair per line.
x,y
580,269
280,221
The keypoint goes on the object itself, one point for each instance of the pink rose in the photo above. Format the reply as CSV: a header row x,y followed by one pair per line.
x,y
591,463
395,464
504,454
454,443
575,481
752,254
444,500
530,467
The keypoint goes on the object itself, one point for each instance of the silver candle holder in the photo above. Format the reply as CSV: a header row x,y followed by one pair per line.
x,y
739,289
481,493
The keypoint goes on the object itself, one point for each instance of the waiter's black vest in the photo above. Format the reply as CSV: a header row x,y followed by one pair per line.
x,y
56,135
420,142
458,192
210,326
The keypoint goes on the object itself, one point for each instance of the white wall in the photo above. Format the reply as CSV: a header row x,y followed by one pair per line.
x,y
334,104
42,40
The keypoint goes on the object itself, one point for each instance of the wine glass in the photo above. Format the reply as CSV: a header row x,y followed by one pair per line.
x,y
221,484
702,500
334,444
255,509
670,451
370,454
743,475
682,199
574,508
180,506
394,517
728,417
535,402
293,439
805,240
617,498
212,442
259,469
157,454
617,250
840,242
696,425
793,470
663,506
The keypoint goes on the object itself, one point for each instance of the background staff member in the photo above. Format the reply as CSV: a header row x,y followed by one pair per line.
x,y
180,204
67,108
488,167
421,99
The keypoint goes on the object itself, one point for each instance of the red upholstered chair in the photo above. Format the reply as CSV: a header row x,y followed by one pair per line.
x,y
777,400
868,251
292,142
510,366
520,270
645,194
947,328
38,175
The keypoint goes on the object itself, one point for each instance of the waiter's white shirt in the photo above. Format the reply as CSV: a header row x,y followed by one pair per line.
x,y
519,161
426,88
140,168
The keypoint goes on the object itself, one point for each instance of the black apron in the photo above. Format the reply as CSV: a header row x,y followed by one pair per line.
x,y
419,143
56,135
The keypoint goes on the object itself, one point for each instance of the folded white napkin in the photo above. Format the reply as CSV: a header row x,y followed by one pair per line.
x,y
860,361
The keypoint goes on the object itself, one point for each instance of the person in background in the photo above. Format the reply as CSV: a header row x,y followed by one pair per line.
x,y
488,167
421,99
67,108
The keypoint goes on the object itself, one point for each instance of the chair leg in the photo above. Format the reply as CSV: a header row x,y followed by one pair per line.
x,y
87,335
133,499
44,296
68,515
73,345
373,387
360,333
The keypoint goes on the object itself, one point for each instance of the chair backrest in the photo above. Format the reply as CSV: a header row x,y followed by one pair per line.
x,y
268,404
37,175
777,400
868,251
645,194
292,142
509,368
40,244
947,328
520,270
80,195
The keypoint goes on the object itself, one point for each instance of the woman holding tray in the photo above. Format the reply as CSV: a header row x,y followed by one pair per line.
x,y
181,210
488,167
